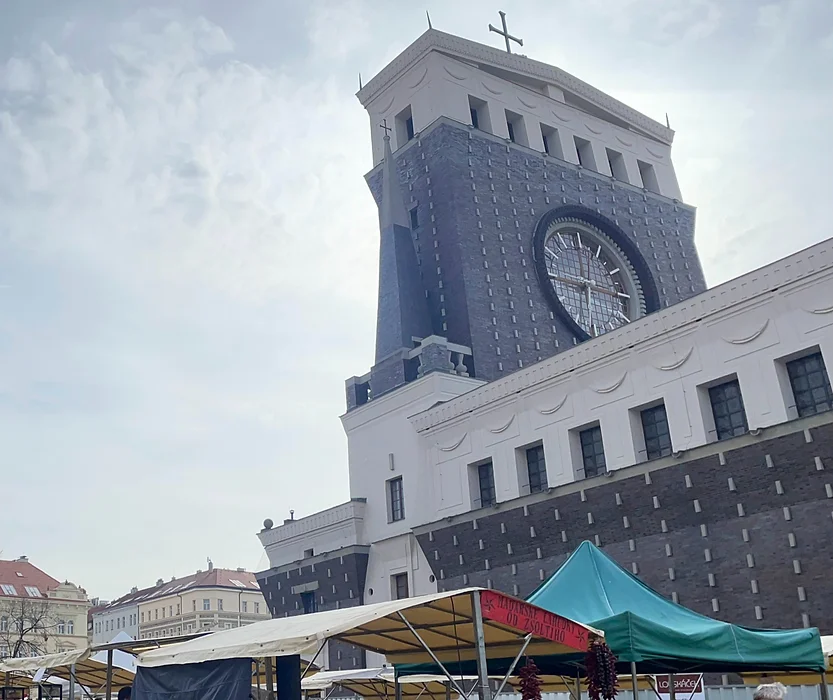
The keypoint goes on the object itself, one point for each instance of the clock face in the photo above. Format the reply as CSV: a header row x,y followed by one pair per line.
x,y
591,277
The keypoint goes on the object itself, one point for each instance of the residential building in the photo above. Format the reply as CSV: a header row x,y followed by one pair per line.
x,y
206,600
550,366
38,613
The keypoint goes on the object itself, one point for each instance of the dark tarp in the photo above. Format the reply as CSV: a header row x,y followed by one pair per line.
x,y
229,679
659,635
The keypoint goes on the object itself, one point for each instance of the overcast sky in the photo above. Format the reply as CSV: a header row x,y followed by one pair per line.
x,y
188,248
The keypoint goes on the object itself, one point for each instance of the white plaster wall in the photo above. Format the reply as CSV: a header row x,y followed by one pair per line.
x,y
326,531
749,339
438,85
103,634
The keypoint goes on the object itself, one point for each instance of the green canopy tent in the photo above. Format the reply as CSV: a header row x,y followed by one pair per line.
x,y
660,636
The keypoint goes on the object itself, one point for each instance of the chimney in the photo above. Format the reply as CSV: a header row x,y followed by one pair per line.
x,y
23,558
210,565
159,582
135,589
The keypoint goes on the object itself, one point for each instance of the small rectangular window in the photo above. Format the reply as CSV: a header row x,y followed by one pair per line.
x,y
475,121
194,604
584,151
257,608
219,603
536,469
396,499
656,432
33,591
400,586
592,452
308,602
206,604
404,122
414,218
727,409
309,553
810,385
511,128
8,589
479,111
516,127
617,165
649,176
486,484
244,606
552,141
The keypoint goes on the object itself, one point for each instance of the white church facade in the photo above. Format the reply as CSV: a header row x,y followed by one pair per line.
x,y
550,366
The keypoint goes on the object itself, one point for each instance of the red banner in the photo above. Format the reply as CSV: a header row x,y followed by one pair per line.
x,y
530,618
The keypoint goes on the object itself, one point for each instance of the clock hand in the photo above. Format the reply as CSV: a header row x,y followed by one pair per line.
x,y
589,308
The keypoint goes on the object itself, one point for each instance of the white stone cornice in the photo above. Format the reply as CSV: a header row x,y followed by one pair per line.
x,y
778,278
472,51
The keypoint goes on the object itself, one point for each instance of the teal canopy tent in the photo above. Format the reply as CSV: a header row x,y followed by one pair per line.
x,y
659,635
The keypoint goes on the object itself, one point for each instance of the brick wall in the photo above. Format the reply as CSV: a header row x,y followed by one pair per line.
x,y
479,201
744,535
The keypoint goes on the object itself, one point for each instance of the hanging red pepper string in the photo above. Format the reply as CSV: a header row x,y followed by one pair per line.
x,y
600,666
530,681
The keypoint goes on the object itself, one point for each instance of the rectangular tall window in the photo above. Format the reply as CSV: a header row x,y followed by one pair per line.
x,y
206,604
308,601
244,606
479,112
655,430
617,165
404,126
511,128
649,176
400,586
257,608
536,469
584,151
552,142
409,127
396,499
592,451
414,218
475,121
486,484
219,603
810,384
516,128
727,409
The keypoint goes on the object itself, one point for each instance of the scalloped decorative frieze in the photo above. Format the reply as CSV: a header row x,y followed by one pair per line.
x,y
388,105
454,75
503,428
592,130
677,363
613,387
654,153
453,446
560,116
419,81
624,142
748,338
530,105
493,90
826,310
554,409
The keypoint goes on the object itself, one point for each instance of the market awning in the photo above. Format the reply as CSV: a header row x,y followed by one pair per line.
x,y
795,677
378,684
399,629
89,672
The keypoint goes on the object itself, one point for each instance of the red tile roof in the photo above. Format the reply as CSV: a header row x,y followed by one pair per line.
x,y
214,578
21,579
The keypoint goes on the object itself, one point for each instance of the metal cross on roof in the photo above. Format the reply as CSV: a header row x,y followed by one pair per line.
x,y
384,127
505,33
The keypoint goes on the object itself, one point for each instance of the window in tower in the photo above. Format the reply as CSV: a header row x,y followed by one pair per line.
x,y
536,469
728,411
404,127
649,176
517,128
552,142
810,385
414,218
396,500
479,111
584,152
588,452
655,432
617,165
482,480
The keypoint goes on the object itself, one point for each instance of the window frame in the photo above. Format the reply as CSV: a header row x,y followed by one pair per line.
x,y
663,451
793,362
541,468
711,390
396,507
396,580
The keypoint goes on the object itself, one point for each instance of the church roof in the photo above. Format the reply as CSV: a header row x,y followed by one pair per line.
x,y
518,66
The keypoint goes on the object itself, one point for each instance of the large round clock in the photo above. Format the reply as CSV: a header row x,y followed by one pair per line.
x,y
588,277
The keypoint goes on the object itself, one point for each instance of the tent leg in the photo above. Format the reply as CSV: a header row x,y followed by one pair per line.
x,y
484,692
823,694
72,682
397,686
109,691
517,658
447,691
672,693
634,681
578,684
270,680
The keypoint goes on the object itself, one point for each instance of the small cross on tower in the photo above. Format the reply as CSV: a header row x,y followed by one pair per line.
x,y
505,33
384,127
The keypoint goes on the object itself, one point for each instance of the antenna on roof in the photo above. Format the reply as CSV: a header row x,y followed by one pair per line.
x,y
667,121
210,563
292,515
429,19
360,81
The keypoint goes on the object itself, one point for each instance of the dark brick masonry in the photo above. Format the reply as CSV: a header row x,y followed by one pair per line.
x,y
745,535
479,200
340,583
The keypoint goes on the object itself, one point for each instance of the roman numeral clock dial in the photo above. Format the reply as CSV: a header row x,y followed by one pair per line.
x,y
592,284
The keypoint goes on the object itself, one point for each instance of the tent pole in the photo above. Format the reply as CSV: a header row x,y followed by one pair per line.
x,y
578,684
527,640
72,682
633,680
397,686
447,690
672,694
823,694
484,692
270,680
109,691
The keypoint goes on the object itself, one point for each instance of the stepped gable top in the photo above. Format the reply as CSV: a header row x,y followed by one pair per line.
x,y
20,579
504,64
213,578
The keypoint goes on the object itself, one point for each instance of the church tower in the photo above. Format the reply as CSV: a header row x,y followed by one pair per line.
x,y
541,212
